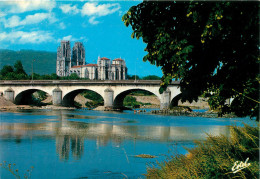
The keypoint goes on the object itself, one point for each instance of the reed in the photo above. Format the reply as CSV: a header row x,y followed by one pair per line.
x,y
215,157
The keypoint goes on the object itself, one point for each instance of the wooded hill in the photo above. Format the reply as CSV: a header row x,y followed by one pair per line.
x,y
45,61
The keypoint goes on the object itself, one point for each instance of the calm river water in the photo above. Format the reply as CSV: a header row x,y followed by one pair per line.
x,y
95,144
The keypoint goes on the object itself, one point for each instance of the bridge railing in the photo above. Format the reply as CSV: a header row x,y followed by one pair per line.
x,y
84,82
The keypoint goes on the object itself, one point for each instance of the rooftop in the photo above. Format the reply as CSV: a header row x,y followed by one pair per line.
x,y
118,59
88,65
104,58
91,65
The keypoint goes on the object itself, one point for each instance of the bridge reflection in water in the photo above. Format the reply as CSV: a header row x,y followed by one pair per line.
x,y
72,130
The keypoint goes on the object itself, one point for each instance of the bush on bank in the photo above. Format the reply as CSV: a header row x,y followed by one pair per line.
x,y
215,157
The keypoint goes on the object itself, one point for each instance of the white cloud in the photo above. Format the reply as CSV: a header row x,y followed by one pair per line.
x,y
93,9
12,21
62,25
20,6
2,14
21,37
15,21
93,21
69,9
71,38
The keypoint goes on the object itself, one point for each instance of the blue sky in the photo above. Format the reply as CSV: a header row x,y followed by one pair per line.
x,y
41,25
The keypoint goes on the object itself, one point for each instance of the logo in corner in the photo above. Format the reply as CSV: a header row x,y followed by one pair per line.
x,y
240,165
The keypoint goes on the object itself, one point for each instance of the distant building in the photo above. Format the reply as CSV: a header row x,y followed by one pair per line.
x,y
63,59
103,70
86,71
78,54
115,71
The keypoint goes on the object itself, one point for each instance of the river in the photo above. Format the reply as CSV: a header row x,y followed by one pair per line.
x,y
97,144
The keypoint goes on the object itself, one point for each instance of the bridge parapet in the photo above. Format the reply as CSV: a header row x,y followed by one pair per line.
x,y
79,82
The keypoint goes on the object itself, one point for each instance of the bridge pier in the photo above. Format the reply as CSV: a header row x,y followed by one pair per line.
x,y
9,94
165,99
57,97
108,97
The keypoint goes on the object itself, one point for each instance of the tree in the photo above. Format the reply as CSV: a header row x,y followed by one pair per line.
x,y
18,67
211,47
132,77
36,76
6,69
74,76
151,77
54,76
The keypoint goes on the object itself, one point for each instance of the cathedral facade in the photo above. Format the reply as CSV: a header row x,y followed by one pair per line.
x,y
105,69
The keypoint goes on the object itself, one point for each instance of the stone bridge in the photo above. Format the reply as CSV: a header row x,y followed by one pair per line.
x,y
63,92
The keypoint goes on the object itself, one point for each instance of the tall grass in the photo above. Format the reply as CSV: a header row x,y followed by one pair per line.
x,y
215,157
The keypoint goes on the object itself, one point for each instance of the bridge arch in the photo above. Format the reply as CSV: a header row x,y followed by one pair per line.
x,y
68,99
119,98
175,100
24,97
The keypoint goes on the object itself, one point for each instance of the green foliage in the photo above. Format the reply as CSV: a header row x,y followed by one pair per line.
x,y
52,76
18,67
212,47
151,77
97,100
93,104
132,77
141,93
92,96
131,101
6,69
16,73
77,105
74,76
41,95
33,101
36,98
215,157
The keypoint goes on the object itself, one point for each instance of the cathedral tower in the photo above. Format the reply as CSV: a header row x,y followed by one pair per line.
x,y
63,58
78,54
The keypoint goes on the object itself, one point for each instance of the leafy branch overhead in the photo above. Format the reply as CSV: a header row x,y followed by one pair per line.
x,y
211,47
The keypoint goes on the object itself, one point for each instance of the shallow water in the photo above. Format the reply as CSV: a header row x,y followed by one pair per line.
x,y
95,144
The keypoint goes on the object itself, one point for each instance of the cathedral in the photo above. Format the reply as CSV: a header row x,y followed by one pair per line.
x,y
75,63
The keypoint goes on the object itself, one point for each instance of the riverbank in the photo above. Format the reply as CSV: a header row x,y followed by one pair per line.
x,y
177,111
154,103
28,107
217,156
9,106
187,111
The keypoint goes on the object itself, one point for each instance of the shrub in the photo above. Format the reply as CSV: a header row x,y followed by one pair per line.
x,y
97,100
130,101
215,157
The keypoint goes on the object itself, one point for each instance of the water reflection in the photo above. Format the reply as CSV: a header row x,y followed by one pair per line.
x,y
70,131
66,143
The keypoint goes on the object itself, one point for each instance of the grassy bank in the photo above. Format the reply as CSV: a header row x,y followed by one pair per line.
x,y
215,157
